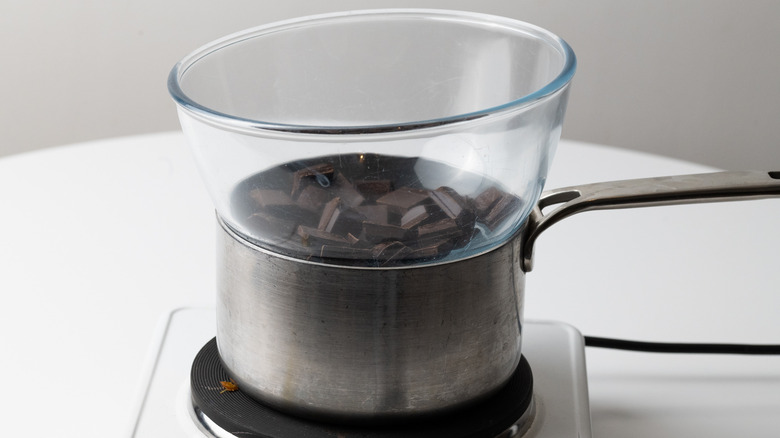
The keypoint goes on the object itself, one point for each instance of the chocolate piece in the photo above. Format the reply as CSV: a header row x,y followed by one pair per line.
x,y
277,203
343,188
312,237
352,239
267,199
321,173
348,221
453,205
338,219
271,228
500,211
378,214
312,198
486,200
415,216
377,233
373,189
403,198
390,251
327,213
446,228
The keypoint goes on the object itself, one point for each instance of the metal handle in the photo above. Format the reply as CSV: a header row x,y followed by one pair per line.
x,y
647,192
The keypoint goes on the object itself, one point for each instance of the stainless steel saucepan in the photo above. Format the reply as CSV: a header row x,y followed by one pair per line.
x,y
379,343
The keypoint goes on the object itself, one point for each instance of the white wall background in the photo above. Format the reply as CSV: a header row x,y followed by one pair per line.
x,y
695,79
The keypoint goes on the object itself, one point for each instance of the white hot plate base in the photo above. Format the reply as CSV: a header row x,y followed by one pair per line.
x,y
554,350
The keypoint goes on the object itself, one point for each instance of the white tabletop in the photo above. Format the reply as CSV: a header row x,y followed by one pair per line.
x,y
99,240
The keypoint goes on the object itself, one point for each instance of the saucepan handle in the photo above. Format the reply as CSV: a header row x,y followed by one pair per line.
x,y
646,192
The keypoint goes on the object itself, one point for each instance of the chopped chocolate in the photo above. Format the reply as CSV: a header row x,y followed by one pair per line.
x,y
313,237
453,205
312,198
486,200
352,239
502,208
321,173
339,219
373,189
377,233
445,228
344,189
415,216
367,210
327,214
390,251
378,214
267,198
403,198
280,228
277,203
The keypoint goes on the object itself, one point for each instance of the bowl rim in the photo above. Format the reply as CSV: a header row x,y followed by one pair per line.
x,y
248,125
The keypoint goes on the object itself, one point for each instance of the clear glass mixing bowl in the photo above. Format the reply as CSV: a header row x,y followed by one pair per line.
x,y
376,138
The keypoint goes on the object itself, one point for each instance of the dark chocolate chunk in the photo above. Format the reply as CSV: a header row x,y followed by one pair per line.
x,y
344,189
377,233
270,227
327,213
312,198
390,251
266,198
378,214
277,203
502,208
352,239
373,189
321,173
415,216
486,200
339,219
403,198
453,205
348,221
312,237
446,228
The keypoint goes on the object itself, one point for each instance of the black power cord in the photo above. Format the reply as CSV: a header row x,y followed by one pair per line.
x,y
664,347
